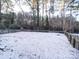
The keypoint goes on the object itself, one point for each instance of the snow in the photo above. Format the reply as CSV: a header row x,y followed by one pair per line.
x,y
36,45
75,34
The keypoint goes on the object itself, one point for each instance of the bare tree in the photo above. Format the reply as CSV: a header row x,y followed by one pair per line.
x,y
0,10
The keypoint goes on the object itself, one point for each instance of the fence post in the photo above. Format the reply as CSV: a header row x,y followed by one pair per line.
x,y
77,43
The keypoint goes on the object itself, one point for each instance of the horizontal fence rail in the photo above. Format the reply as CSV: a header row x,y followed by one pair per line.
x,y
73,39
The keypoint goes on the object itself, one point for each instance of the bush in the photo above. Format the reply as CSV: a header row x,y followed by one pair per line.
x,y
14,26
6,23
2,26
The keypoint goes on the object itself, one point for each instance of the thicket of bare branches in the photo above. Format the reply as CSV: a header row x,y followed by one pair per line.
x,y
27,22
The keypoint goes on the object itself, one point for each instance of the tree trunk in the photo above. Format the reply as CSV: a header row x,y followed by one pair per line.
x,y
0,11
37,13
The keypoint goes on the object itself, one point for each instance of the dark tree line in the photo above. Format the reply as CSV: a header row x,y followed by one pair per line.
x,y
36,20
19,21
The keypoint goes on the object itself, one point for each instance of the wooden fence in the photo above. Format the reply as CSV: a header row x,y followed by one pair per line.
x,y
73,39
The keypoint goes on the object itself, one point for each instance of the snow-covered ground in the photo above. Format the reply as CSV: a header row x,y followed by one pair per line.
x,y
36,45
76,34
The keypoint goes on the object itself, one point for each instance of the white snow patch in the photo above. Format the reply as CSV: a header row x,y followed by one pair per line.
x,y
36,45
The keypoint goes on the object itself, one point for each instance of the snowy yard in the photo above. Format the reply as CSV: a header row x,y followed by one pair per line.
x,y
76,34
36,45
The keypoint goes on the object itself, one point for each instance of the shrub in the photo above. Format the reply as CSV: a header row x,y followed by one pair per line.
x,y
14,26
2,26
